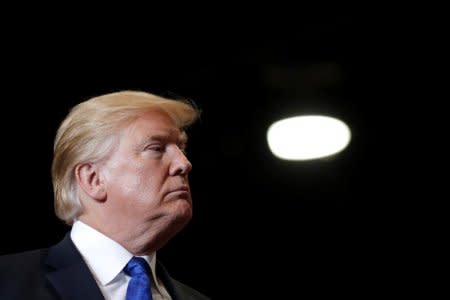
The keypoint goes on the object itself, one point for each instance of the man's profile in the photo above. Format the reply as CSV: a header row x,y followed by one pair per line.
x,y
120,179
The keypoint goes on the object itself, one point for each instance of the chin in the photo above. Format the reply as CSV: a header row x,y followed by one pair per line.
x,y
178,211
175,223
183,214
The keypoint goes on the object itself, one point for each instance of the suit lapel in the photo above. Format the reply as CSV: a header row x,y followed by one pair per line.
x,y
69,274
168,282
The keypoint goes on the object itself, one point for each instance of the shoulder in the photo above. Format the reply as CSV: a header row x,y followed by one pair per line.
x,y
23,259
19,270
19,265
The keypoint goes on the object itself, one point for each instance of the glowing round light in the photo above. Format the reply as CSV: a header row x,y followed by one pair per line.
x,y
307,137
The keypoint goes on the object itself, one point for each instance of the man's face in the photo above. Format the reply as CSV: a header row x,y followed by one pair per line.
x,y
146,180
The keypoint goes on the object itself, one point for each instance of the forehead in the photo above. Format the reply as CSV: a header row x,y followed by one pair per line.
x,y
152,124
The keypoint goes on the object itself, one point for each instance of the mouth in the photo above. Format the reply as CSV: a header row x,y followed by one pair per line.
x,y
179,193
183,188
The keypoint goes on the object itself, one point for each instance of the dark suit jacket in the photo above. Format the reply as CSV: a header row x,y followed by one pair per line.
x,y
60,272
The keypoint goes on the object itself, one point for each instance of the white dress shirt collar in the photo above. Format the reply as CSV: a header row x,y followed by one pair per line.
x,y
105,257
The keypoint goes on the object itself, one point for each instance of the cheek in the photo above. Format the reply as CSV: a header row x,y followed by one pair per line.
x,y
145,185
126,180
136,181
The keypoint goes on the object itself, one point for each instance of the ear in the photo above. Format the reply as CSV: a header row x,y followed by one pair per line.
x,y
90,180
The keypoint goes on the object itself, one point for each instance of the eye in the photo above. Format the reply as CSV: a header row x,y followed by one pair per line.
x,y
156,148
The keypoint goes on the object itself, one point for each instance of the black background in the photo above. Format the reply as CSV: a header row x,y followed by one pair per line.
x,y
261,226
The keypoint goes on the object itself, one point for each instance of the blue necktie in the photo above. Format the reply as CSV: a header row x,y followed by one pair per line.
x,y
139,287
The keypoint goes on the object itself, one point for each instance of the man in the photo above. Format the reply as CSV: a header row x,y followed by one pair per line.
x,y
120,178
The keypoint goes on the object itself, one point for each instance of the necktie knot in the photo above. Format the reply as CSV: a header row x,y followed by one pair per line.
x,y
139,287
137,266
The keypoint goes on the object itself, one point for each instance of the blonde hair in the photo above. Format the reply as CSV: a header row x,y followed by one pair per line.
x,y
89,132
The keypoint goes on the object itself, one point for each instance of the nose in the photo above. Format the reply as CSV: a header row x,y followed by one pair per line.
x,y
180,164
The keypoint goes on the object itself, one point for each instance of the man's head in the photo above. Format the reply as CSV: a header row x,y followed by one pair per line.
x,y
118,158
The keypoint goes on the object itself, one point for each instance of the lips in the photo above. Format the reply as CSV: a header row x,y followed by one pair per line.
x,y
183,188
179,192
